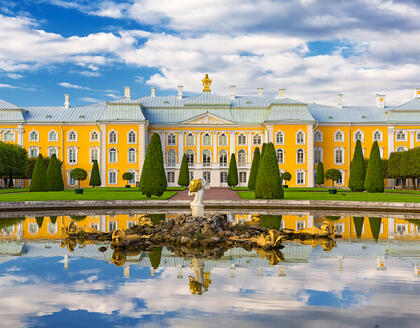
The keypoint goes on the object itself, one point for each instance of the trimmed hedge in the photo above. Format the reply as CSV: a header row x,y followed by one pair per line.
x,y
184,173
333,175
269,182
233,172
357,169
78,174
95,177
375,227
254,169
358,225
54,175
39,181
127,176
319,176
271,221
155,255
374,181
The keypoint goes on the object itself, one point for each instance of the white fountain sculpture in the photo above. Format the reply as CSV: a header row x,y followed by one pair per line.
x,y
197,187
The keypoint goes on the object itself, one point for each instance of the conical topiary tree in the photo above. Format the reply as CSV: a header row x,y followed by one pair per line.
x,y
319,176
233,172
153,177
358,225
54,176
53,219
374,181
95,177
254,169
155,255
39,221
184,173
269,182
375,227
357,169
39,180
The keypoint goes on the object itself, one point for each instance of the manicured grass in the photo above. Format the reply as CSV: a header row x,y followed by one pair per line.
x,y
176,188
341,195
10,190
403,191
89,194
240,188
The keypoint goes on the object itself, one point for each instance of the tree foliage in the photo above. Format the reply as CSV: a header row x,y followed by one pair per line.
x,y
405,165
286,176
78,174
39,180
271,221
95,177
233,172
319,176
13,162
357,169
358,225
155,255
254,169
269,182
333,175
54,175
153,177
127,176
184,173
374,181
375,227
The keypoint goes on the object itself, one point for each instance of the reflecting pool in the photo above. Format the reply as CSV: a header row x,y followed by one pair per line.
x,y
371,278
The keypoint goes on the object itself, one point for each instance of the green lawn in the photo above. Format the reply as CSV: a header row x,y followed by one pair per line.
x,y
10,190
341,195
89,194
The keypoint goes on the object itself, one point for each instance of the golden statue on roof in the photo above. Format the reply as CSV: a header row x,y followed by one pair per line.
x,y
206,83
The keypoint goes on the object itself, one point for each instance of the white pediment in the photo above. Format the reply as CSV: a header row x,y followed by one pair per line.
x,y
207,119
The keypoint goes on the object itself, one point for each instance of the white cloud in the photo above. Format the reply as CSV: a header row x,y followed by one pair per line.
x,y
8,86
72,86
15,76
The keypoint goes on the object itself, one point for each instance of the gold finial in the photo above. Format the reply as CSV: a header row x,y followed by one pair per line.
x,y
206,83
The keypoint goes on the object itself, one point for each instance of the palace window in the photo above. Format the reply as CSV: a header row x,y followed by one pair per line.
x,y
113,155
242,177
318,136
112,177
339,155
300,156
171,138
171,177
280,156
190,157
256,139
242,139
207,140
317,155
377,136
133,179
94,154
191,175
223,177
112,225
52,151
279,138
72,136
241,158
34,136
223,158
418,136
341,178
52,228
300,177
9,136
207,176
401,136
132,155
339,136
400,149
33,151
33,228
52,136
171,159
70,180
132,137
223,140
112,137
206,158
339,228
94,136
72,155
300,138
189,140
359,135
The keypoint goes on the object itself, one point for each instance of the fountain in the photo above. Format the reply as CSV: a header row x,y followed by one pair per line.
x,y
197,187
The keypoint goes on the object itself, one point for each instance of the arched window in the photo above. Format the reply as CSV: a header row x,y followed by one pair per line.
x,y
34,136
377,136
317,155
112,137
9,136
190,157
206,158
318,136
189,140
256,140
72,136
52,136
52,151
223,158
401,136
132,155
400,149
171,177
300,138
280,156
171,159
113,155
223,140
300,177
33,151
94,154
300,156
72,155
279,138
171,138
241,158
94,136
112,176
207,140
339,136
242,139
359,135
339,155
132,137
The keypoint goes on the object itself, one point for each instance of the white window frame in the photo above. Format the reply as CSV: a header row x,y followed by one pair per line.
x,y
240,162
209,139
380,135
130,161
75,136
400,132
55,148
400,149
130,133
109,176
12,133
91,134
49,136
90,154
169,162
224,153
134,179
109,137
321,154
257,135
335,155
300,142
278,135
192,138
188,153
223,176
239,141
243,177
280,150
37,136
207,153
170,176
418,136
362,135
36,148
321,136
298,172
207,176
226,138
109,155
171,139
342,136
297,156
75,149
343,178
70,181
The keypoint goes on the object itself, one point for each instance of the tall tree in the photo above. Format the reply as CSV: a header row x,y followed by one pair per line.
x,y
54,175
153,177
358,225
233,172
319,176
13,162
254,169
155,255
269,183
184,173
374,181
39,180
375,227
357,169
95,177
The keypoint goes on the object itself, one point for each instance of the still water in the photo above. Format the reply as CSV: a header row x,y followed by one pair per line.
x,y
370,279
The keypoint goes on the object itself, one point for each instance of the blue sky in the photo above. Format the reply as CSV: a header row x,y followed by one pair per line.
x,y
314,48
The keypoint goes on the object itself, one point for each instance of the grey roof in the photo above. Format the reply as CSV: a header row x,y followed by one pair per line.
x,y
11,115
122,112
347,114
7,105
412,105
289,113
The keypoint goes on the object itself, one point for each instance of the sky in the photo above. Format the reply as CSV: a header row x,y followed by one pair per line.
x,y
313,48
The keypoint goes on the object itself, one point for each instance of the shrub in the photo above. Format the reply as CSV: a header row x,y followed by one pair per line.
x,y
153,177
155,255
271,221
184,173
374,181
78,174
233,172
39,221
375,227
54,175
156,218
319,176
286,176
333,175
358,225
39,180
95,177
127,176
254,169
53,219
357,169
269,182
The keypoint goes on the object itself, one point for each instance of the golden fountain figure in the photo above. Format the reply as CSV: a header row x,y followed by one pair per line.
x,y
206,83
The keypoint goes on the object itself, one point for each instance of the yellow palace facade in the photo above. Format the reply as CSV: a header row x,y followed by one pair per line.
x,y
208,128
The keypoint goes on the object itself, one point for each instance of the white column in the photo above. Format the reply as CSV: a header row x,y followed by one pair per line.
x,y
180,146
249,137
102,154
412,136
390,140
20,135
270,133
198,155
102,223
391,228
310,220
214,148
142,145
310,155
232,140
